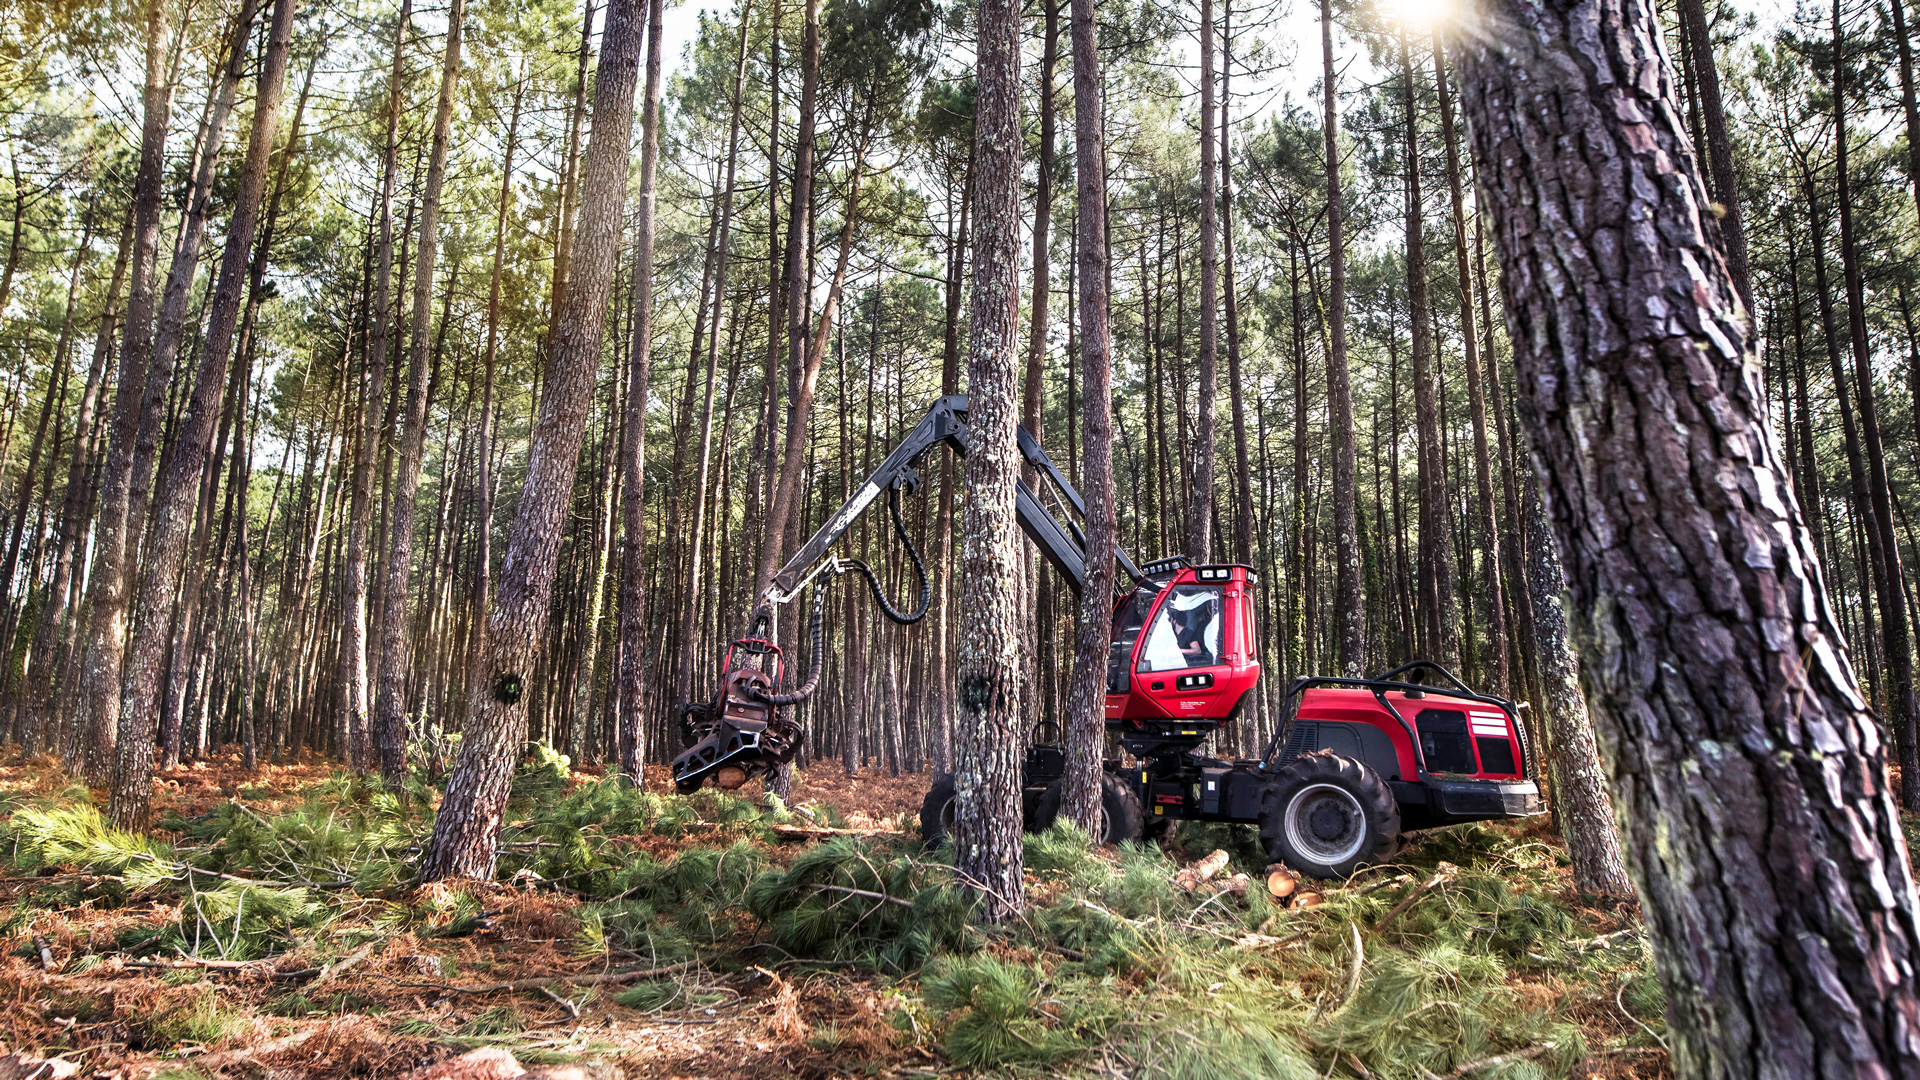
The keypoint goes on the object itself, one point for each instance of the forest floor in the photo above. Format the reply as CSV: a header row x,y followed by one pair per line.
x,y
267,928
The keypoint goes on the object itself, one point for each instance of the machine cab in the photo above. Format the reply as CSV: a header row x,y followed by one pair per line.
x,y
1184,648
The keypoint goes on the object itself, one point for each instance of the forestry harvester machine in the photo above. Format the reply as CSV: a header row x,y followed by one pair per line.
x,y
1355,762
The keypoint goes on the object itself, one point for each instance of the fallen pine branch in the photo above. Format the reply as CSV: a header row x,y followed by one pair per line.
x,y
1446,873
866,893
822,832
542,982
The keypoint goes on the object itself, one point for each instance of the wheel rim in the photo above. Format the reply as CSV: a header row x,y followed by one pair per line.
x,y
946,815
1325,823
1106,825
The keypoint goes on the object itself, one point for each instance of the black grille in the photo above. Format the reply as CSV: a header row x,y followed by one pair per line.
x,y
1302,739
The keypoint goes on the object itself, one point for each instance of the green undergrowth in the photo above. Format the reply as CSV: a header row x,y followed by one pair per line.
x,y
1112,967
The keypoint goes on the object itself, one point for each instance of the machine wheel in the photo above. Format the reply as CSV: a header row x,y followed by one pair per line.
x,y
1328,815
1120,814
936,811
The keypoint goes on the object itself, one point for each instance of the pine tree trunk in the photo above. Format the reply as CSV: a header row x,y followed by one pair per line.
x,y
1747,774
986,746
1896,633
1440,624
633,534
1908,105
802,367
52,635
468,825
1726,182
106,631
1086,696
696,536
390,710
1498,679
354,736
1350,602
1200,497
1243,485
180,472
1581,804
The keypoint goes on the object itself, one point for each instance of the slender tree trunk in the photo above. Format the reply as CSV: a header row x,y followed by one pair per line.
x,y
468,825
1581,804
180,472
1747,774
107,584
691,565
390,715
1243,485
1908,106
1499,679
353,725
1350,602
1440,624
802,368
633,534
483,444
1200,498
1726,182
1895,632
43,681
986,746
1086,696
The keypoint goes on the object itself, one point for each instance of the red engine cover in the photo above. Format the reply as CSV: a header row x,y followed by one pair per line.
x,y
1458,736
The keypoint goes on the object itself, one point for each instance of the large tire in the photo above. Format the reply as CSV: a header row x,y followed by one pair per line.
x,y
1327,815
1119,809
936,811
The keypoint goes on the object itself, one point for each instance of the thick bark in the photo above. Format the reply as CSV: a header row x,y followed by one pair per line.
x,y
1349,601
1726,182
986,744
1200,497
1895,631
1498,679
178,489
98,728
1747,773
353,735
1087,694
633,535
390,710
468,825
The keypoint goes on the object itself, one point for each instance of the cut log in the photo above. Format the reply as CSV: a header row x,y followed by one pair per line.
x,y
1281,883
1211,865
1237,885
1309,899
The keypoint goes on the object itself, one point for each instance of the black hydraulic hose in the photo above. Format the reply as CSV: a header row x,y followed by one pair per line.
x,y
805,690
919,570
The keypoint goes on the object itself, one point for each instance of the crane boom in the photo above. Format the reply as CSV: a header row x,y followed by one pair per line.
x,y
741,732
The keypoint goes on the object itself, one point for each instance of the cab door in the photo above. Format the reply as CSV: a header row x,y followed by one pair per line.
x,y
1183,658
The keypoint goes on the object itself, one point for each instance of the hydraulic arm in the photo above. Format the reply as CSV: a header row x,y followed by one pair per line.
x,y
742,732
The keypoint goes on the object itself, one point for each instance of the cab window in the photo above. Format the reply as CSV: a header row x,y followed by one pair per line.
x,y
1186,632
1127,621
